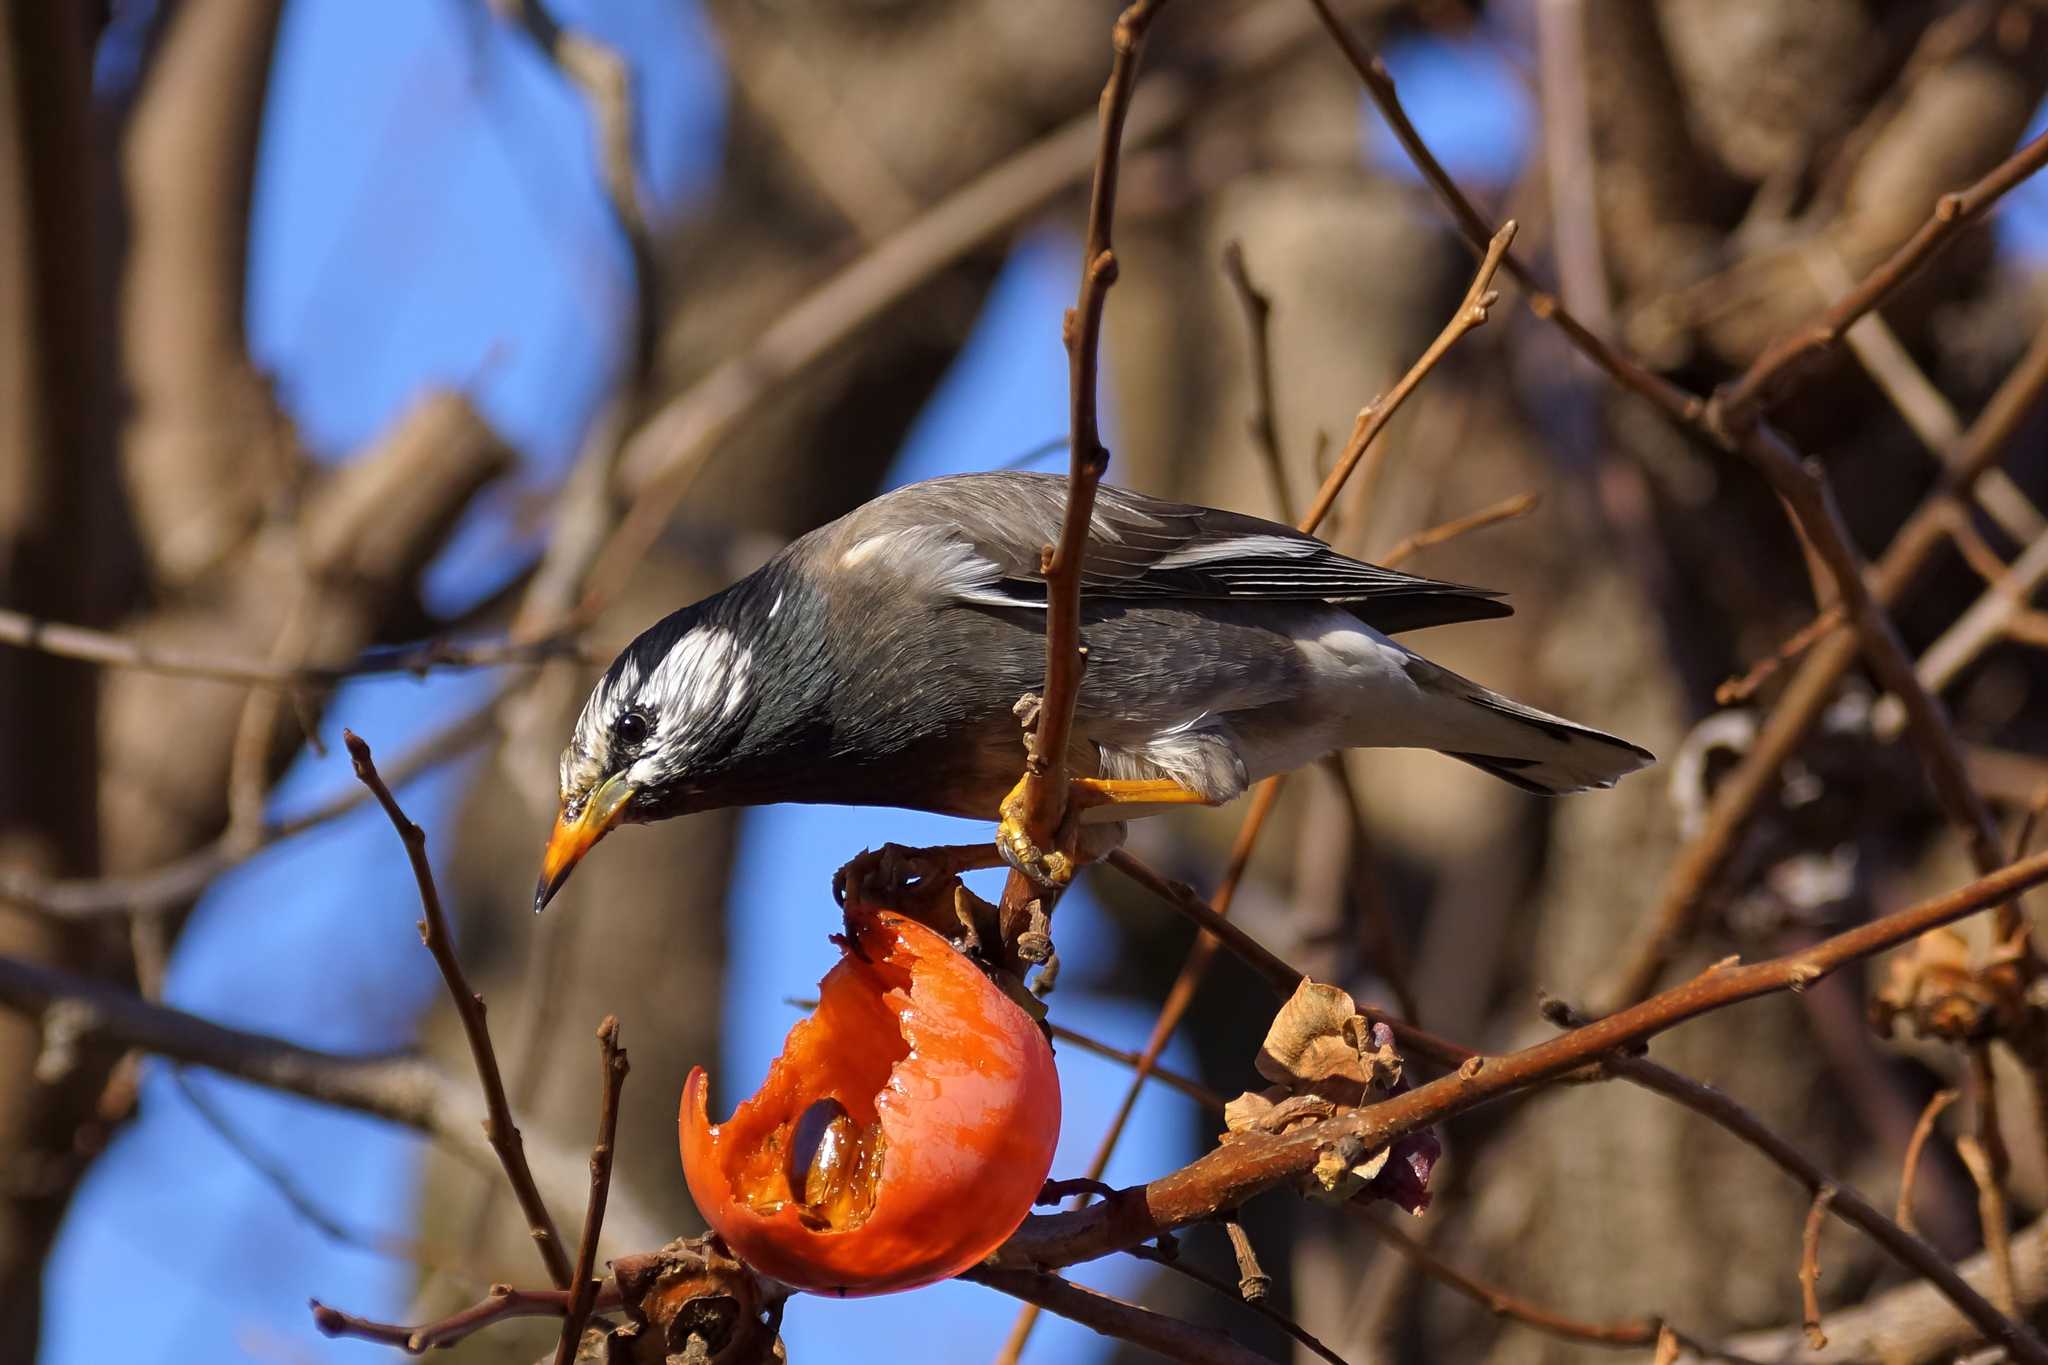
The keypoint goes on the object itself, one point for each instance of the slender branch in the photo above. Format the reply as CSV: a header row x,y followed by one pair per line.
x,y
1043,795
1784,361
583,1288
1281,977
399,1087
1735,691
176,883
1256,1302
502,1303
1507,509
469,1007
419,658
1178,998
1844,1202
1170,1337
1909,1170
1499,1302
1809,1267
1193,1089
1472,312
288,1188
1991,1215
1263,424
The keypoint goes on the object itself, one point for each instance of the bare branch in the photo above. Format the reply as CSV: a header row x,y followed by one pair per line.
x,y
1809,1267
1263,423
1170,1337
502,1303
1784,362
426,656
1042,797
584,1289
1909,1171
1507,509
1625,1332
469,1007
176,883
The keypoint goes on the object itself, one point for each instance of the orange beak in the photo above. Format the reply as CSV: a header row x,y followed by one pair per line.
x,y
574,837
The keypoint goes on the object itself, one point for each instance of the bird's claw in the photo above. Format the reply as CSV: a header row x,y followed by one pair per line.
x,y
1047,867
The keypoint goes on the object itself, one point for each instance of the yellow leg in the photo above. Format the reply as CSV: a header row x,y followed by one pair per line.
x,y
1086,793
1054,867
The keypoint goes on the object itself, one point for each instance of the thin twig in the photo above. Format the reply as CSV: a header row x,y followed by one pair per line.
x,y
1193,1089
1909,1170
612,1061
1807,694
1991,1214
1178,998
176,883
1507,509
419,658
1263,424
286,1186
1471,313
1043,796
1209,919
501,1303
1222,1290
1735,691
1253,1282
1781,363
1622,1332
1170,1337
1809,1268
469,1007
607,86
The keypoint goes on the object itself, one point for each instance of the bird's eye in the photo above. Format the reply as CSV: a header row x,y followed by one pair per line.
x,y
630,729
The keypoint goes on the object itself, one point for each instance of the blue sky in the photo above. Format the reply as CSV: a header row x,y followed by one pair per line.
x,y
428,214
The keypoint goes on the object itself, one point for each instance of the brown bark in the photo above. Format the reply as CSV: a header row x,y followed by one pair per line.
x,y
55,515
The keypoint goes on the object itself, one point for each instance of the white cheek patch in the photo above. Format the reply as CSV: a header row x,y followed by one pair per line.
x,y
702,680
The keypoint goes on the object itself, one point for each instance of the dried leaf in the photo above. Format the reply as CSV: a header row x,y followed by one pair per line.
x,y
1320,1043
1247,1113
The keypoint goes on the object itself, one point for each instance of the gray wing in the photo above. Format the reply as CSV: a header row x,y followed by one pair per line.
x,y
978,537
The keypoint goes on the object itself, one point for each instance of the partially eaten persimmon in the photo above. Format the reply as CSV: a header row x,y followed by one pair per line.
x,y
900,1137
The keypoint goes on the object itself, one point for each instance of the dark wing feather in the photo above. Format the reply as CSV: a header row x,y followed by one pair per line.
x,y
1143,548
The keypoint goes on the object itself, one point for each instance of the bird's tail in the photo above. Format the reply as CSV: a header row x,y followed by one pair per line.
x,y
1532,749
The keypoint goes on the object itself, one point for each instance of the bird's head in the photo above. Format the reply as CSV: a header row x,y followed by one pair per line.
x,y
670,707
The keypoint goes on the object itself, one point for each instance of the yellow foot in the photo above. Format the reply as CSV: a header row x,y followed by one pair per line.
x,y
1054,868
